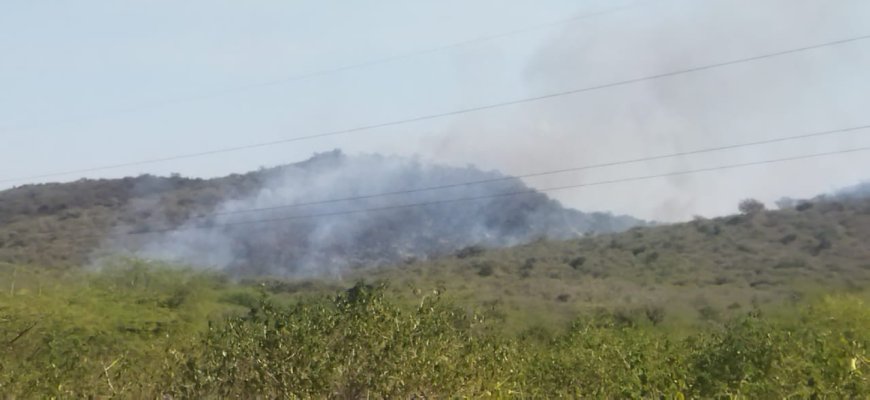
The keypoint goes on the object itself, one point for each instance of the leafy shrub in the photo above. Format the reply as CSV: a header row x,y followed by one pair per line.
x,y
113,335
485,268
577,262
470,251
791,237
655,314
750,206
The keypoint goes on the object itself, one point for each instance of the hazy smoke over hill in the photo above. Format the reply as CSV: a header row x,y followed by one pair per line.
x,y
292,244
855,192
859,191
800,93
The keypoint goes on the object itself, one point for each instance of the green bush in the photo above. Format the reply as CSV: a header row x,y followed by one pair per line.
x,y
145,332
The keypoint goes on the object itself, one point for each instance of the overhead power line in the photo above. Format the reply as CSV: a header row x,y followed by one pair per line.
x,y
458,112
490,196
333,70
548,172
505,194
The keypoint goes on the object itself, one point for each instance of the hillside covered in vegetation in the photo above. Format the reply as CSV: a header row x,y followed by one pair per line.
x,y
706,268
321,216
764,304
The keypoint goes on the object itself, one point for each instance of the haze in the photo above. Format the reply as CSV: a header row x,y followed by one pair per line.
x,y
93,83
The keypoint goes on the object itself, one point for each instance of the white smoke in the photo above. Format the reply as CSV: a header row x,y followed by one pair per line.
x,y
790,95
280,240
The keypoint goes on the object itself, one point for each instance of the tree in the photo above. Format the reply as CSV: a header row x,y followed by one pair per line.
x,y
750,206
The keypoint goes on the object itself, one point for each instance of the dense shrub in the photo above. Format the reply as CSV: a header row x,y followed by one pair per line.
x,y
144,333
751,206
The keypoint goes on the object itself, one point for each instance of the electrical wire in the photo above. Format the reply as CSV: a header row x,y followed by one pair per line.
x,y
548,172
505,194
329,71
458,112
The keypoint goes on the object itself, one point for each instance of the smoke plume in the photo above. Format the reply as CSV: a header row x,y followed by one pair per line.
x,y
320,237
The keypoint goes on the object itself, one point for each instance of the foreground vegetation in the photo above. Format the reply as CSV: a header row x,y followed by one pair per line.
x,y
144,331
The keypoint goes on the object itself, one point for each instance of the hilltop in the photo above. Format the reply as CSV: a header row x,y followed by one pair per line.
x,y
69,224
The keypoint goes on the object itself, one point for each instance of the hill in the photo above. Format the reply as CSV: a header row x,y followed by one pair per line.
x,y
706,269
203,222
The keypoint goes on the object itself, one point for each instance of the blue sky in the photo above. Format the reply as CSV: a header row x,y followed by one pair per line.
x,y
77,81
